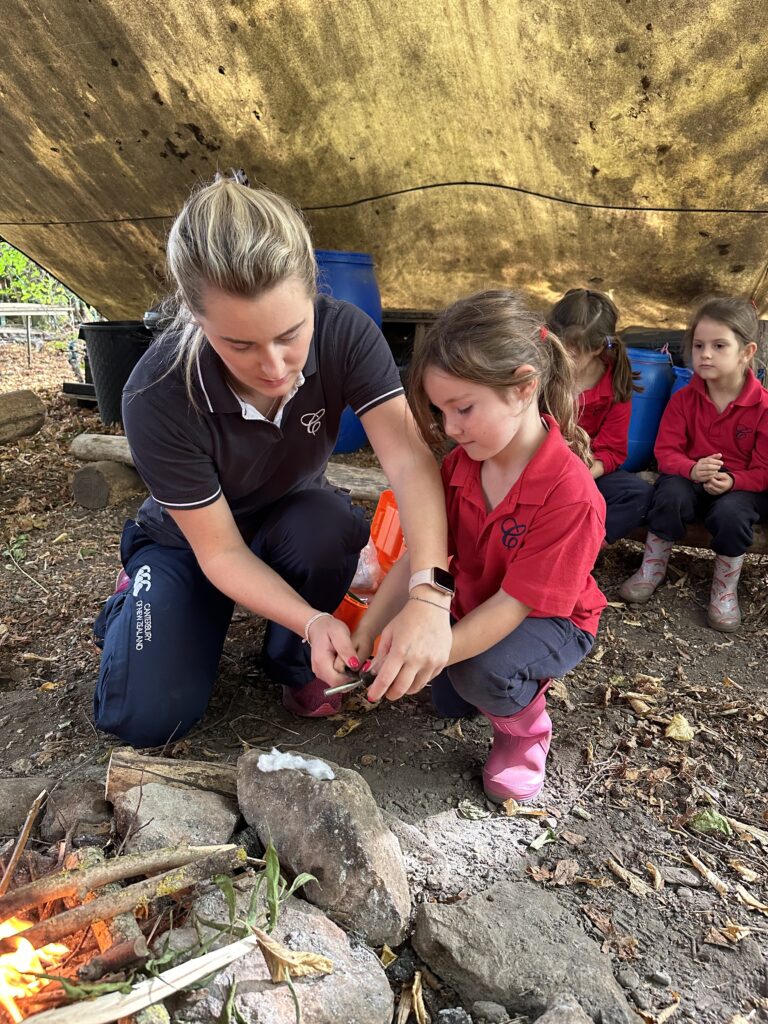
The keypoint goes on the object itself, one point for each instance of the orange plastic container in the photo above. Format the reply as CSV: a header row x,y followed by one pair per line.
x,y
390,545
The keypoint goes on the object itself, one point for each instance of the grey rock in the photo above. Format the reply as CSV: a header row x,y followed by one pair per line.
x,y
454,1015
628,978
642,999
564,1008
660,978
357,990
158,815
684,892
471,946
682,876
16,797
334,830
491,1013
78,807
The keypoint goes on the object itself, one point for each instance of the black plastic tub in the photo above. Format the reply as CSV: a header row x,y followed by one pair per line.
x,y
113,348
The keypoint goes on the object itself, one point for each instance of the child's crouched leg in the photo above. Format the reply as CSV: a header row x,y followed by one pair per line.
x,y
508,684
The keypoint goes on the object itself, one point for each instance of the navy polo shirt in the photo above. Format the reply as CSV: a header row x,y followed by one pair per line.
x,y
189,456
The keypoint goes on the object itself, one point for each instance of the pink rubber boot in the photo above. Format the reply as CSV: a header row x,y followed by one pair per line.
x,y
515,767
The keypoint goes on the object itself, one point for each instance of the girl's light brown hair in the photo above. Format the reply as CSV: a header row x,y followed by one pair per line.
x,y
239,240
737,314
485,339
586,321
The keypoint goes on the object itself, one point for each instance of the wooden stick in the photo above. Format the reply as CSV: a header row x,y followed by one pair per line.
x,y
128,769
104,908
80,882
115,1005
32,814
114,959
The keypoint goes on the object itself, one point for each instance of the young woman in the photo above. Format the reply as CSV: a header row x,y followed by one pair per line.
x,y
231,417
712,452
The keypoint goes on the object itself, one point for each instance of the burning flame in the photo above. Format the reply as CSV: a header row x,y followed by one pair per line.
x,y
14,983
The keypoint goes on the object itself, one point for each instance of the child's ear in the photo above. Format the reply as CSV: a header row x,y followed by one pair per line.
x,y
527,388
749,351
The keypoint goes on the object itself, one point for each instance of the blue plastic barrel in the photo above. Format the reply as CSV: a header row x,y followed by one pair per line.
x,y
350,276
682,378
656,379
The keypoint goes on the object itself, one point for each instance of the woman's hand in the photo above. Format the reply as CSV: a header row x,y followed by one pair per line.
x,y
706,468
331,647
362,641
413,649
720,483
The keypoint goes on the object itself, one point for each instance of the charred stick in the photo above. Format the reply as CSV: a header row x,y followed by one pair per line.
x,y
114,959
79,882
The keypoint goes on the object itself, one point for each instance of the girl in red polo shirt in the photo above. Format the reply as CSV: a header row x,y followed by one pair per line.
x,y
585,321
712,452
525,525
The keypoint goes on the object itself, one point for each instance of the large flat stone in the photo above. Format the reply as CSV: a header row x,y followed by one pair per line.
x,y
156,815
515,945
16,797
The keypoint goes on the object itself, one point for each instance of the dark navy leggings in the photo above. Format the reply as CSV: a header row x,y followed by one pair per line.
x,y
627,500
163,636
504,679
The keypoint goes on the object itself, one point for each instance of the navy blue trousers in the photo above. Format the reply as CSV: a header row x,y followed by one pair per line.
x,y
729,517
627,498
163,637
504,679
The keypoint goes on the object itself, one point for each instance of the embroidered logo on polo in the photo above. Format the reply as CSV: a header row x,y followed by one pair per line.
x,y
511,532
312,420
742,431
142,580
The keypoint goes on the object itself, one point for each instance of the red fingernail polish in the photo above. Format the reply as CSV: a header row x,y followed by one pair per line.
x,y
367,665
354,663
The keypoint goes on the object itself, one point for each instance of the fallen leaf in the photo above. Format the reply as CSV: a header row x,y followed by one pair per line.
x,y
595,883
637,886
727,934
29,656
616,604
599,919
679,729
405,1005
649,684
453,731
640,706
60,538
656,879
710,821
573,838
742,869
50,686
284,963
579,812
548,836
749,832
367,759
419,1009
665,1014
512,809
349,726
538,872
471,811
589,753
738,1018
717,883
750,901
632,622
386,956
565,872
560,690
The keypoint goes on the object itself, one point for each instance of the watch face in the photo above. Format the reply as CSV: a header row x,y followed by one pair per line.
x,y
444,580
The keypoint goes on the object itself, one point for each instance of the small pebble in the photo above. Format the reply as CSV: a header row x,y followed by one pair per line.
x,y
470,773
628,978
454,1016
684,892
640,999
491,1013
660,978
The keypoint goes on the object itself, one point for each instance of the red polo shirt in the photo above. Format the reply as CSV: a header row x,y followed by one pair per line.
x,y
540,542
692,428
606,421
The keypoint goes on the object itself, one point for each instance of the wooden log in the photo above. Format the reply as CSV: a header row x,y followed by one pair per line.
x,y
363,484
99,447
127,769
21,413
100,484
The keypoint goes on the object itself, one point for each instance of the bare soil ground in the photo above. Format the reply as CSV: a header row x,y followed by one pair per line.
x,y
619,788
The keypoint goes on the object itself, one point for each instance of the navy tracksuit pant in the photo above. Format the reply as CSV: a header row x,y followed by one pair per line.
x,y
729,517
163,636
627,499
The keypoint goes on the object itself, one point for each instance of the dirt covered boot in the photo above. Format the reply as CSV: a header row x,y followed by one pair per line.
x,y
724,612
639,587
517,761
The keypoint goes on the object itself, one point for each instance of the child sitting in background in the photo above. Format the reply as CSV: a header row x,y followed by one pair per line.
x,y
525,525
585,321
712,452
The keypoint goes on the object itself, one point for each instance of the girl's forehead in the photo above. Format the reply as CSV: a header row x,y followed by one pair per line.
x,y
710,330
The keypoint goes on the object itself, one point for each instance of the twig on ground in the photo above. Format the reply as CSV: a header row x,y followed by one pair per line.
x,y
32,814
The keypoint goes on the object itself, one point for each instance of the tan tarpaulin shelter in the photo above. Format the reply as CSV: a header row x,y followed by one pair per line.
x,y
464,143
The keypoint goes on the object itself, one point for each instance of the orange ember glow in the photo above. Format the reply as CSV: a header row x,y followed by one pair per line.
x,y
14,983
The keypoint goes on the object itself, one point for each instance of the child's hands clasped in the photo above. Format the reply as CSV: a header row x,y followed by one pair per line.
x,y
707,468
719,483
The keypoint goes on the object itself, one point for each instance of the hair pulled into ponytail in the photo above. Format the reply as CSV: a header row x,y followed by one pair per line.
x,y
585,321
485,339
237,239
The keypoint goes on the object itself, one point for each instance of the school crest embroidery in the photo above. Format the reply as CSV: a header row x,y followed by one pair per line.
x,y
312,420
511,532
742,431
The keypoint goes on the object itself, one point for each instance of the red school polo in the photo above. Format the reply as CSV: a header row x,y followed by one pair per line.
x,y
540,542
606,421
692,428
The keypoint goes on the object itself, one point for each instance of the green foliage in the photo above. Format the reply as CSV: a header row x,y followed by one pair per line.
x,y
22,280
